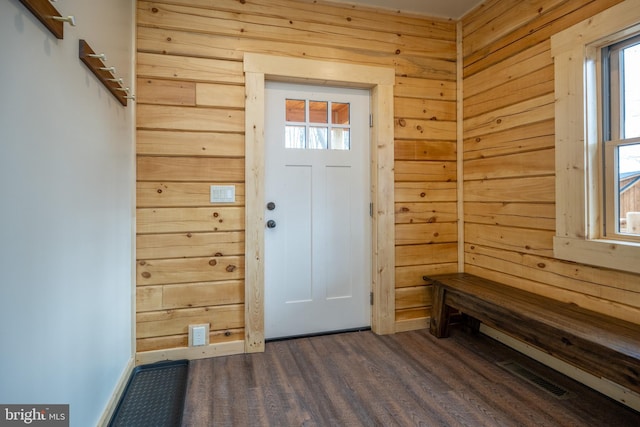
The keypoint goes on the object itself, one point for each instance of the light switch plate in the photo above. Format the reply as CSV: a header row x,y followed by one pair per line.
x,y
223,193
198,335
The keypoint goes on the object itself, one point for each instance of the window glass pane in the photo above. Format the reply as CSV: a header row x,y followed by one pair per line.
x,y
340,139
632,91
340,113
629,188
318,138
318,111
295,110
294,137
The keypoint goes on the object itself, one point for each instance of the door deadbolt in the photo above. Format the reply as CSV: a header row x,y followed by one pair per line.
x,y
271,224
271,206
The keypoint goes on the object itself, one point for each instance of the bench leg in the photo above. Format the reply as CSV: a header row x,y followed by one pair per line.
x,y
439,324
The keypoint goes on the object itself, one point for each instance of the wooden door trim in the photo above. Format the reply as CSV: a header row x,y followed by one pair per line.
x,y
260,67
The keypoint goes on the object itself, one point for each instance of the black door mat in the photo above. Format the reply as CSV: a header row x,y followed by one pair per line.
x,y
154,396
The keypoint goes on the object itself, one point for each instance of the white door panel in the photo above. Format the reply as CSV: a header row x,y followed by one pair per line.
x,y
317,257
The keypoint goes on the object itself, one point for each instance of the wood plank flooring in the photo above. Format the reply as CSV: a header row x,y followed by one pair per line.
x,y
406,379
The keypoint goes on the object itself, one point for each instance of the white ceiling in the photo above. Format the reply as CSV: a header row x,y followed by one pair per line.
x,y
453,9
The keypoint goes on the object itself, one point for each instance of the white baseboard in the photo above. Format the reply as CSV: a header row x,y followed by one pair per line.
x,y
604,386
117,393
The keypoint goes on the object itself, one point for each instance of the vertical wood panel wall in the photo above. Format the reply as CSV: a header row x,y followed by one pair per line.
x,y
190,118
509,156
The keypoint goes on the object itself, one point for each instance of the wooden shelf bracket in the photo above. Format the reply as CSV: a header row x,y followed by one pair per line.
x,y
106,75
49,16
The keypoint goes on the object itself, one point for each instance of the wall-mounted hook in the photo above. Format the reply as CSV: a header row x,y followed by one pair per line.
x,y
98,55
95,63
47,14
70,19
131,97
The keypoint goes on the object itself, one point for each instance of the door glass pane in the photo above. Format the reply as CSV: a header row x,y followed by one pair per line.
x,y
339,113
340,139
318,138
632,91
294,137
318,111
295,110
629,188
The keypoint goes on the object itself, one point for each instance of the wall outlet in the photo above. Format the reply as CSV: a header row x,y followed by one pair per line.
x,y
198,335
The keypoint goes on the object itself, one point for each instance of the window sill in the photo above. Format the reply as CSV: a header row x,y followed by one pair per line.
x,y
615,254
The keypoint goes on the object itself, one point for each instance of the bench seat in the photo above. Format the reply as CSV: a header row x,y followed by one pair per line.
x,y
601,345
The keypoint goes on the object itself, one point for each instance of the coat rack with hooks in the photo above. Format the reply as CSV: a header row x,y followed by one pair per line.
x,y
95,62
49,16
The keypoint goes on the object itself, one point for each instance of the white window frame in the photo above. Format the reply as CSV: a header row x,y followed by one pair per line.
x,y
579,232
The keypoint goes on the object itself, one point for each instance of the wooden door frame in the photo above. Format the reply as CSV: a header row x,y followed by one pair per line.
x,y
258,68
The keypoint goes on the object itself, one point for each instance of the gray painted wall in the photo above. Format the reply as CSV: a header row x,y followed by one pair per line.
x,y
66,210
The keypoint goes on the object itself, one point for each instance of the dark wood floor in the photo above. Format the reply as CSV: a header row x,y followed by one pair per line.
x,y
406,379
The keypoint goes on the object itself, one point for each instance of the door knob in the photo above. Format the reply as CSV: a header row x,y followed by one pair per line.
x,y
271,206
271,224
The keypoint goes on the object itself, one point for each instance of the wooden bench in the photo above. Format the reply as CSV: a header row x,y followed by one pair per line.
x,y
601,345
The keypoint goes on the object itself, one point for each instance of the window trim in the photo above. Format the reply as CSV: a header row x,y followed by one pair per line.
x,y
578,169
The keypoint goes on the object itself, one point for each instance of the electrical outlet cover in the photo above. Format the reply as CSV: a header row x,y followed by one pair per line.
x,y
198,335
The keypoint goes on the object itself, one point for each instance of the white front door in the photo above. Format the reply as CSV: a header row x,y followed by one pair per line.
x,y
317,189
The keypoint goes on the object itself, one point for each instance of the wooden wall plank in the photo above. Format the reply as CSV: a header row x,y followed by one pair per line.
x,y
408,171
425,150
414,234
614,286
535,32
528,137
186,270
189,118
190,244
503,18
171,322
413,213
228,170
189,144
424,129
412,275
529,111
182,43
269,27
522,64
532,241
182,340
525,215
216,95
535,189
425,109
332,14
203,294
182,194
177,220
515,90
419,296
425,192
524,164
426,254
188,69
411,87
167,92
